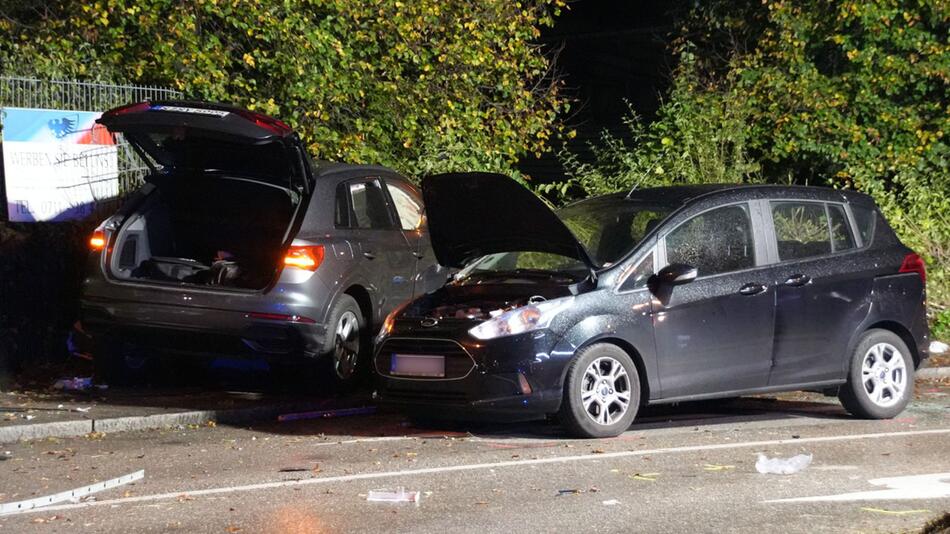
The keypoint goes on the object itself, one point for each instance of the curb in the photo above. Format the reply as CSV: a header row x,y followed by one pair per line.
x,y
933,372
231,416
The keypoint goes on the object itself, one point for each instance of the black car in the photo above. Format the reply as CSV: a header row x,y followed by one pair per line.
x,y
662,295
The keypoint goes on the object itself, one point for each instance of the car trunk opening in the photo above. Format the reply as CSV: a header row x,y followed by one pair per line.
x,y
205,231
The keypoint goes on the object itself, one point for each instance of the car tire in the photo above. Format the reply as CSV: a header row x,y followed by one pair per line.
x,y
881,377
601,392
348,344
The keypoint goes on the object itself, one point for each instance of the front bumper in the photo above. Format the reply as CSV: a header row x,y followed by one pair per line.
x,y
483,379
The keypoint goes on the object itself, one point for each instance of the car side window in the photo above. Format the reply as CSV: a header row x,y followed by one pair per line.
x,y
408,204
714,242
864,220
841,236
801,230
368,205
341,214
639,274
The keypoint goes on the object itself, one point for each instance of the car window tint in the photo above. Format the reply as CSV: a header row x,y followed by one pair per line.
x,y
369,205
713,242
341,216
801,229
639,275
864,219
841,237
408,205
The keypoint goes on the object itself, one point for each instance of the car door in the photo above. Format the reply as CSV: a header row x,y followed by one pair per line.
x,y
428,275
820,295
380,247
714,334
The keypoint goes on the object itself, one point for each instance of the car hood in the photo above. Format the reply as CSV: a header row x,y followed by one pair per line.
x,y
185,138
474,214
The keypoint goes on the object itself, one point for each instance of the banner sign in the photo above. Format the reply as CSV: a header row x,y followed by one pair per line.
x,y
57,165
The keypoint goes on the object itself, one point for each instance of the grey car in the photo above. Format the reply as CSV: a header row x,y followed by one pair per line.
x,y
239,244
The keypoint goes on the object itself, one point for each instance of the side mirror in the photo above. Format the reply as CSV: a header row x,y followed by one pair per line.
x,y
677,274
661,284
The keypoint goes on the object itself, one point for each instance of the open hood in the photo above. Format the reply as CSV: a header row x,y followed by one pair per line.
x,y
194,137
474,214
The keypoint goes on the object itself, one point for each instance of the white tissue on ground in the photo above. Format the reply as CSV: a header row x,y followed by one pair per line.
x,y
782,466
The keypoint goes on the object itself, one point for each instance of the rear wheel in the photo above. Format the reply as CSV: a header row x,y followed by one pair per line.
x,y
881,380
601,392
121,364
349,342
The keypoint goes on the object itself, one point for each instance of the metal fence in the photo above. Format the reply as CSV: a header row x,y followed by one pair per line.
x,y
85,96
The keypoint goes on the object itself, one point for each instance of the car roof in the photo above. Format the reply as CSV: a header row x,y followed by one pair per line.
x,y
329,168
684,194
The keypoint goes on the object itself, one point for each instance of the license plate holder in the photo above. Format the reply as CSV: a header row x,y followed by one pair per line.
x,y
417,365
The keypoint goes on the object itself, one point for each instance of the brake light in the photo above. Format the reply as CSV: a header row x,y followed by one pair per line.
x,y
308,257
129,108
268,123
97,241
914,264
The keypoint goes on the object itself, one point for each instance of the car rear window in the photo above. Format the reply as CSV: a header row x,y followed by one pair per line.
x,y
841,236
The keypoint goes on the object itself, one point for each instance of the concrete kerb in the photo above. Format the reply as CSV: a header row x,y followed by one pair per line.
x,y
931,373
232,416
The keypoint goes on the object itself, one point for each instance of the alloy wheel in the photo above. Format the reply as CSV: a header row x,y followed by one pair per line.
x,y
346,345
884,375
605,391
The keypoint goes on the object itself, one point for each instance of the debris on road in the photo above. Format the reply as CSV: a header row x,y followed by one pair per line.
x,y
73,384
568,492
326,414
939,347
782,466
717,467
895,512
646,477
400,495
71,495
611,502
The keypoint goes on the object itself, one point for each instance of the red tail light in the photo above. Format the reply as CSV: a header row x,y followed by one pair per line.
x,y
269,123
304,257
914,264
97,241
280,317
129,108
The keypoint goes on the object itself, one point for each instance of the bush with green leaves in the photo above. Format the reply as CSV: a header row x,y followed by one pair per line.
x,y
848,94
421,85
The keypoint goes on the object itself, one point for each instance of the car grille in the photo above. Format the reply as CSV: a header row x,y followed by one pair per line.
x,y
458,363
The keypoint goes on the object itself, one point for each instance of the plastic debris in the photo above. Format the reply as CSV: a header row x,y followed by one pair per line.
x,y
782,466
398,496
611,502
895,512
70,495
326,414
73,384
646,477
939,347
717,467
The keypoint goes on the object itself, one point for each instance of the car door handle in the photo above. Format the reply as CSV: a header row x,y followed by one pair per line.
x,y
369,255
752,289
797,280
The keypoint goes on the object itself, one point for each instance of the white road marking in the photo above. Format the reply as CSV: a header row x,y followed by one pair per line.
x,y
70,495
488,465
933,486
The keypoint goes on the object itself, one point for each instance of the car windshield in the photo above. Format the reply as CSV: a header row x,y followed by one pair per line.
x,y
607,227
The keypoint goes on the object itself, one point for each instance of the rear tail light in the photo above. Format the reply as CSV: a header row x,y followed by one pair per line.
x,y
280,317
97,241
914,264
268,123
129,108
308,257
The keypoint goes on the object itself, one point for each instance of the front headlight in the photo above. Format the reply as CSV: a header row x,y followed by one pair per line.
x,y
523,319
390,321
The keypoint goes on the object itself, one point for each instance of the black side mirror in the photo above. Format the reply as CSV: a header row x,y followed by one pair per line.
x,y
677,274
661,284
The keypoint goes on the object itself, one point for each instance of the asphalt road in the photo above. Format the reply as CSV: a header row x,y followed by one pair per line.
x,y
688,468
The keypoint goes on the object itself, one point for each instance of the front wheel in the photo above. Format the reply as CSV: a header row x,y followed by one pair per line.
x,y
601,392
881,380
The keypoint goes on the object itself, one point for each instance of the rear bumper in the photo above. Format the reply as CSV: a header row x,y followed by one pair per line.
x,y
179,330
